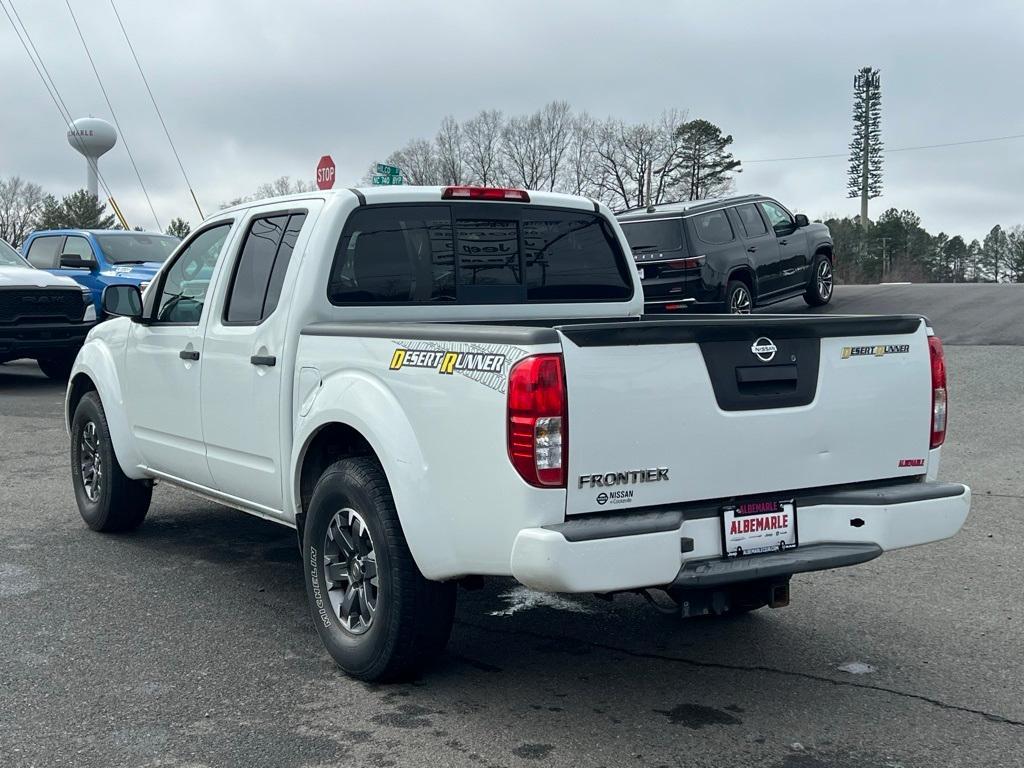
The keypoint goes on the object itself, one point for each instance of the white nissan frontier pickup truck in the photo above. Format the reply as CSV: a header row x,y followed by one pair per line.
x,y
432,385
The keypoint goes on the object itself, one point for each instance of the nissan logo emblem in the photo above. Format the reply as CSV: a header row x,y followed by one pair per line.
x,y
764,349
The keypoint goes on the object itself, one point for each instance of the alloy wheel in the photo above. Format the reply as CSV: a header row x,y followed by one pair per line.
x,y
739,301
90,461
350,566
824,280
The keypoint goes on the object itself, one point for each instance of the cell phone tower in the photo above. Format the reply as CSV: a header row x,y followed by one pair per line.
x,y
92,137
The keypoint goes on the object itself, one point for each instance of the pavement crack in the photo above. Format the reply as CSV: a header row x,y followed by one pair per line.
x,y
991,717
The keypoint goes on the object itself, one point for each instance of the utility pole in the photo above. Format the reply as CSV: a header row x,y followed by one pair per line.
x,y
865,173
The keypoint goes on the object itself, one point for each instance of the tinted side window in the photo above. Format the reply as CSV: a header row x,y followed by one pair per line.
x,y
776,215
394,254
284,257
42,253
252,273
713,228
572,257
184,286
78,246
751,220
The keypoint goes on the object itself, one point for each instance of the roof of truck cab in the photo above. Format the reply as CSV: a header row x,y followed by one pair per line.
x,y
412,194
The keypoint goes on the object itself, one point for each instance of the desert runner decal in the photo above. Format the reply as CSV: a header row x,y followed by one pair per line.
x,y
487,364
447,362
879,350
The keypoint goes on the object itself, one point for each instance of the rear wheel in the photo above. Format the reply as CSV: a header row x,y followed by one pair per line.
x,y
57,367
377,615
108,500
738,299
819,292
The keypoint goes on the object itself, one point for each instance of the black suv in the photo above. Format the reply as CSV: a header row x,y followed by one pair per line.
x,y
735,253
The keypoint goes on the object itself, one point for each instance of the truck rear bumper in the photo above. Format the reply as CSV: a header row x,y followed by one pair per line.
x,y
609,553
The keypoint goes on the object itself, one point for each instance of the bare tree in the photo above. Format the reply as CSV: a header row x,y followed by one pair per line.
x,y
522,145
578,178
482,146
21,202
419,162
450,152
282,185
556,136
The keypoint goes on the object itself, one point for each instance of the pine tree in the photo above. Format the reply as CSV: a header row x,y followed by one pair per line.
x,y
179,228
994,253
705,164
865,174
79,210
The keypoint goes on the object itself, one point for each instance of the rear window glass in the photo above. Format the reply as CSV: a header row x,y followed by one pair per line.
x,y
486,253
713,228
654,237
751,220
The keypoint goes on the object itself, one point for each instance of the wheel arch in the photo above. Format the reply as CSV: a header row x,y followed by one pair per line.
x,y
745,274
95,371
371,423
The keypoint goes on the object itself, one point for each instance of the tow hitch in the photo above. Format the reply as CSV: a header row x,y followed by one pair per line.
x,y
734,599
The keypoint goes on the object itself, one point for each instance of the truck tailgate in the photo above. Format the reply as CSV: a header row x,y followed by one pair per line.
x,y
663,412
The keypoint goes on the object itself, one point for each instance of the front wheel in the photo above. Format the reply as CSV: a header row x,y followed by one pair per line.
x,y
108,500
378,616
819,292
738,300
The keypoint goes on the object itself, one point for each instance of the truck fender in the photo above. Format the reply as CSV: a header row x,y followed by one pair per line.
x,y
96,362
364,403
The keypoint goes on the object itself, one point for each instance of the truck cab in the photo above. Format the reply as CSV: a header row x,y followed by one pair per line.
x,y
96,258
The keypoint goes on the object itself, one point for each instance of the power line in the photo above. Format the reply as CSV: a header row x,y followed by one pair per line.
x,y
113,115
51,88
158,113
895,149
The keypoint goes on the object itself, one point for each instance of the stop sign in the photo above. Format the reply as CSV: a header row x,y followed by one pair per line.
x,y
325,173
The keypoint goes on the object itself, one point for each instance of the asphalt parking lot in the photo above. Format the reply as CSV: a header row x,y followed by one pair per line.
x,y
188,643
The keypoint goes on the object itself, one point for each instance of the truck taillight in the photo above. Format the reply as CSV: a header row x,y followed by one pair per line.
x,y
538,423
938,391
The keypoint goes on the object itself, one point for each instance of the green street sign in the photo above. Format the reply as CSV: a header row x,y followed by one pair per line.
x,y
388,170
386,180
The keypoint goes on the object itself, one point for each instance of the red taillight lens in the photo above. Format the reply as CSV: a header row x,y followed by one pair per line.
x,y
486,193
938,391
538,423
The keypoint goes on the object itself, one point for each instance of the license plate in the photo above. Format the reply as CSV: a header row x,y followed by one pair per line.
x,y
756,527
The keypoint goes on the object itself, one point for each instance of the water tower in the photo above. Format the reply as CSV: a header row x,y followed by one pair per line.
x,y
92,137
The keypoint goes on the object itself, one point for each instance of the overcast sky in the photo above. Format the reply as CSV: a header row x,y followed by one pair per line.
x,y
256,90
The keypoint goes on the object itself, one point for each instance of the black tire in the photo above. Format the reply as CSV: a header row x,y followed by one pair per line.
x,y
738,295
58,367
116,502
820,289
411,617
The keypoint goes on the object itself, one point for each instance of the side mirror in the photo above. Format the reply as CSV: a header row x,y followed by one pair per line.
x,y
122,301
74,261
802,220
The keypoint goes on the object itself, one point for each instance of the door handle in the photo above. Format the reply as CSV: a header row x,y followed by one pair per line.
x,y
268,360
189,354
783,242
752,249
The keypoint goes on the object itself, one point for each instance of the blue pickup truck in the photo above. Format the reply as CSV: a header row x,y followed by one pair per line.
x,y
96,258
